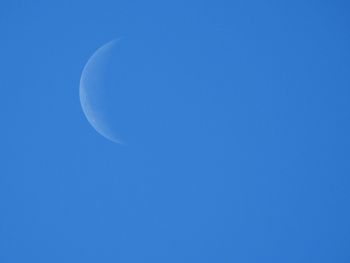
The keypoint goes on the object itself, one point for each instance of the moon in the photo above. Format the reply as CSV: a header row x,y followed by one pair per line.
x,y
123,96
98,82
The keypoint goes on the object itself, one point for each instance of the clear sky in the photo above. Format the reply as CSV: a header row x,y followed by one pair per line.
x,y
238,133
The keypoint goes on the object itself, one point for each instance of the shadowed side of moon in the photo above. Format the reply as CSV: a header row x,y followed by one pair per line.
x,y
129,95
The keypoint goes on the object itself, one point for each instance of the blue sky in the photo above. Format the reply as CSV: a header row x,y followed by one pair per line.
x,y
237,121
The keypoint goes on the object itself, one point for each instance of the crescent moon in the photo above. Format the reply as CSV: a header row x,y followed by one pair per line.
x,y
90,89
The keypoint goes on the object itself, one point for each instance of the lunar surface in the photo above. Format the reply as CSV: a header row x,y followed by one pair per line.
x,y
98,89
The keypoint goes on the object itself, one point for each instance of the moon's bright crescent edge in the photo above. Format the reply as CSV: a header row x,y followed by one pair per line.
x,y
84,96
